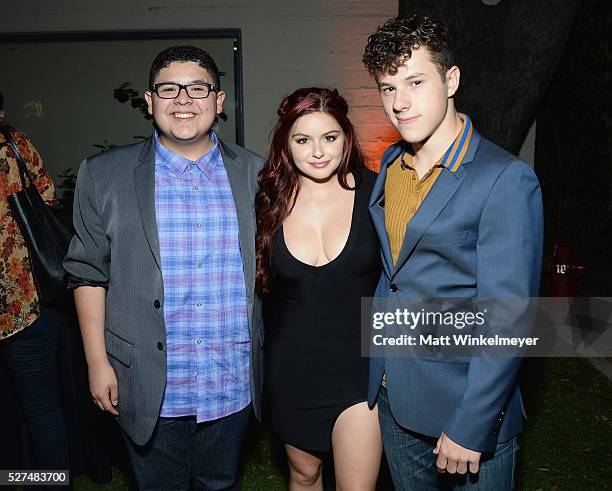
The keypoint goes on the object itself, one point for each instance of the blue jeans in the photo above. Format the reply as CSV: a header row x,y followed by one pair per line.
x,y
413,464
183,453
31,357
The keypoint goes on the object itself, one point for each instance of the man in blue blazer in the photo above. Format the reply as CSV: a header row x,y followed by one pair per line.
x,y
457,216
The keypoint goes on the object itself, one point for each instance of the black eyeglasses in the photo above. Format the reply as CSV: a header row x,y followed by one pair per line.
x,y
171,90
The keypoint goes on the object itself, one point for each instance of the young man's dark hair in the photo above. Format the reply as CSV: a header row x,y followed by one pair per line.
x,y
393,42
184,54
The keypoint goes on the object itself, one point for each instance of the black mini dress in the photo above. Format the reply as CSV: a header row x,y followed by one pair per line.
x,y
314,369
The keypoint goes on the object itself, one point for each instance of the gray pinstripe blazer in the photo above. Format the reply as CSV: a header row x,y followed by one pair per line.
x,y
116,246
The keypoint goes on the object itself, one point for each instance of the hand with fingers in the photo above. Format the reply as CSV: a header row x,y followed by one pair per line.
x,y
455,459
103,387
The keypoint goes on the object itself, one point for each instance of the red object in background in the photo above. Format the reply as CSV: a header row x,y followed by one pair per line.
x,y
564,270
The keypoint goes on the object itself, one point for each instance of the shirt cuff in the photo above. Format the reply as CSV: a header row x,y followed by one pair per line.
x,y
75,282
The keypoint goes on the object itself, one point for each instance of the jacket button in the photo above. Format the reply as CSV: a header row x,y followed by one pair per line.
x,y
160,346
393,287
156,304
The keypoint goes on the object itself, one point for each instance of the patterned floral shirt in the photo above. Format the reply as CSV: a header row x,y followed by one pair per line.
x,y
19,305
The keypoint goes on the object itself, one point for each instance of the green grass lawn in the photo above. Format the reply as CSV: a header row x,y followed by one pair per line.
x,y
566,445
567,441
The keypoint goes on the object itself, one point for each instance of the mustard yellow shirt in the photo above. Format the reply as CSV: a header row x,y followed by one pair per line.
x,y
404,191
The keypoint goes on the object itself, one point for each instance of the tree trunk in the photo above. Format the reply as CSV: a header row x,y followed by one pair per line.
x,y
574,145
507,53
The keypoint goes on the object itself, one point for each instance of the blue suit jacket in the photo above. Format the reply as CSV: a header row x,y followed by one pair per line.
x,y
478,233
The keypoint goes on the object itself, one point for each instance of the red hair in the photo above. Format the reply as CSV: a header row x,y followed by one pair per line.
x,y
279,181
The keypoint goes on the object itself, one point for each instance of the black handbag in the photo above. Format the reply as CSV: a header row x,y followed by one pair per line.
x,y
45,236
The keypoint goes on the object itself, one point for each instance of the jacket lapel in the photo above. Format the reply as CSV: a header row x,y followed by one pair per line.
x,y
377,207
242,181
144,180
438,197
440,194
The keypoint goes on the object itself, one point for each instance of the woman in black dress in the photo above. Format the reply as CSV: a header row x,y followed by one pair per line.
x,y
317,255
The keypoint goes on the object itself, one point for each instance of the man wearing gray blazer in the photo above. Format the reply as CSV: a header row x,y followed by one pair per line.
x,y
163,270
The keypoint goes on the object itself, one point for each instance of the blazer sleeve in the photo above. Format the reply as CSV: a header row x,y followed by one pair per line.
x,y
509,262
88,258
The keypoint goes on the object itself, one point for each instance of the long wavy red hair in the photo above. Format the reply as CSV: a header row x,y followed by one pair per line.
x,y
279,182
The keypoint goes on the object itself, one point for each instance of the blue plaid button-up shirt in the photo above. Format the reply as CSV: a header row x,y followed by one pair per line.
x,y
205,304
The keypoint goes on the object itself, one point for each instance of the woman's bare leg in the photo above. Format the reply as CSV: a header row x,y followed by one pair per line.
x,y
357,448
304,470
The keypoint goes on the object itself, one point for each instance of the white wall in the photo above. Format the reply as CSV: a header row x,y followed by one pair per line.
x,y
67,108
286,44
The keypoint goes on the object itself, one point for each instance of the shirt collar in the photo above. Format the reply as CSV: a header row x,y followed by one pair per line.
x,y
453,156
179,164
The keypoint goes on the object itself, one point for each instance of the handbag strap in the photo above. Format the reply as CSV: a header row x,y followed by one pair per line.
x,y
23,170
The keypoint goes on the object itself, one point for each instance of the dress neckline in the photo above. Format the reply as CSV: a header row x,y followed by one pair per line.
x,y
357,199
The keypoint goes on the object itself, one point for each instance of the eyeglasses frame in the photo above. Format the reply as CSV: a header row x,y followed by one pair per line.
x,y
211,88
